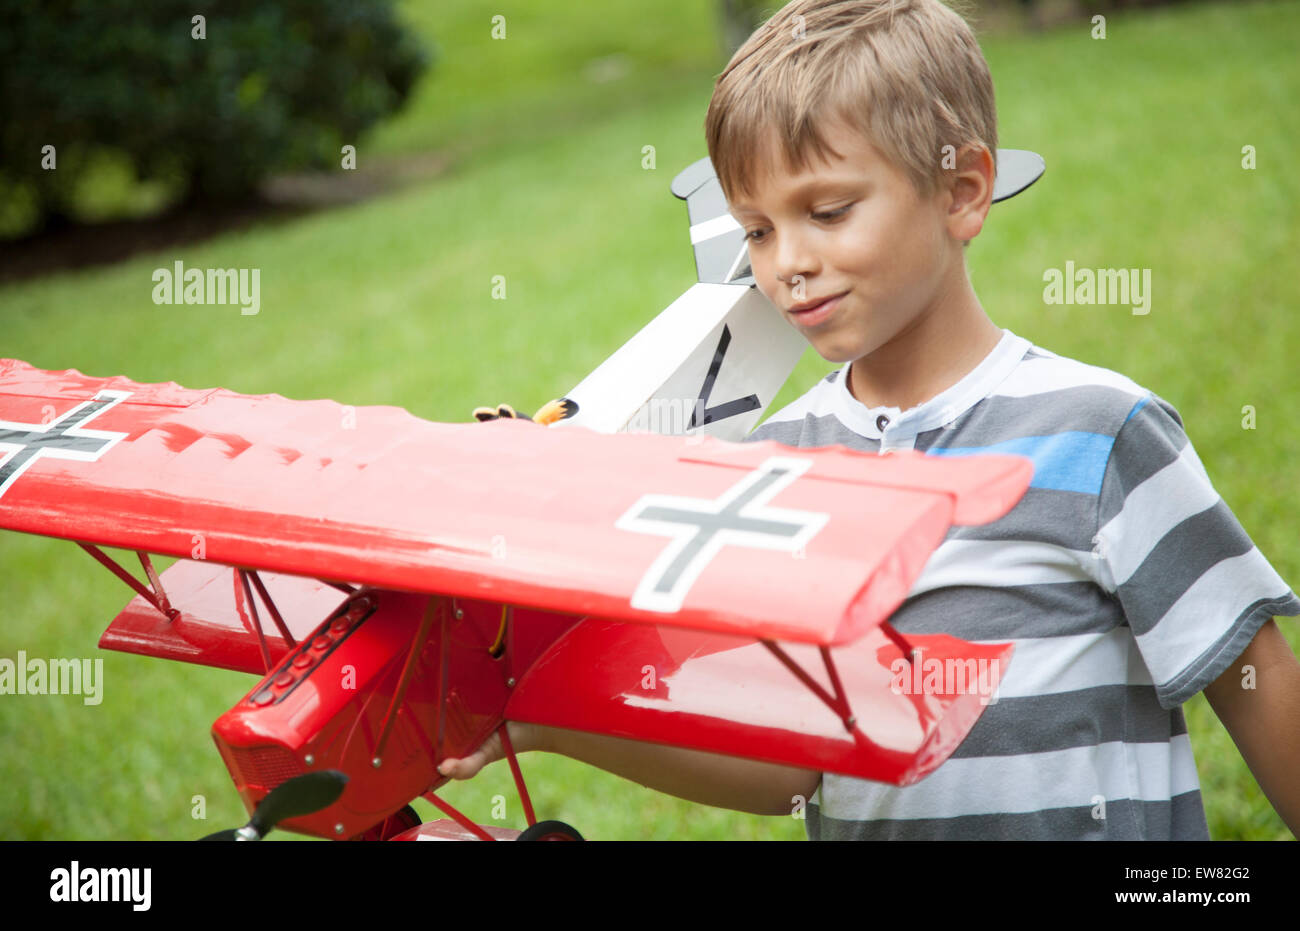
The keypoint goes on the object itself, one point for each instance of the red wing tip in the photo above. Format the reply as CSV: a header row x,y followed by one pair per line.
x,y
123,382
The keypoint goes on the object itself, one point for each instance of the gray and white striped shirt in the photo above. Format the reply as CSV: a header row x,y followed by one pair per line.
x,y
1123,578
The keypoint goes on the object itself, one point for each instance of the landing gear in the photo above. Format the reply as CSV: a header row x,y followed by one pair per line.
x,y
399,821
549,830
536,830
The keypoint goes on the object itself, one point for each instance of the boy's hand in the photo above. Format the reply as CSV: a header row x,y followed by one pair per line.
x,y
522,737
551,411
500,412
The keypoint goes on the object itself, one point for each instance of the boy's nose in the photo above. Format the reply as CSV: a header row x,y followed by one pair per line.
x,y
794,262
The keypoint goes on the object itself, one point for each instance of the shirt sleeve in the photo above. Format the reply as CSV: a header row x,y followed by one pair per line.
x,y
1192,584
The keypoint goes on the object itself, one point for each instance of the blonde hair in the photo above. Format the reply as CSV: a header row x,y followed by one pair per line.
x,y
908,73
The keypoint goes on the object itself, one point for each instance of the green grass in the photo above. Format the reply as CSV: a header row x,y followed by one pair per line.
x,y
389,302
546,71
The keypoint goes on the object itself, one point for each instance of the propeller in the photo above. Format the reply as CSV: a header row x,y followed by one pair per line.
x,y
301,795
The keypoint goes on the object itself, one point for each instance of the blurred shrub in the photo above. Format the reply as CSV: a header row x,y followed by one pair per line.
x,y
274,85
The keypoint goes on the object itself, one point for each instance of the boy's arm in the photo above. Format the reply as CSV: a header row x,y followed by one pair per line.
x,y
1264,721
706,778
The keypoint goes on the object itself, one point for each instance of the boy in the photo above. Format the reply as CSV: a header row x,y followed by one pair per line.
x,y
853,141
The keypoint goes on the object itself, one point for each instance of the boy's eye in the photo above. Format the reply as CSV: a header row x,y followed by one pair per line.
x,y
756,236
832,214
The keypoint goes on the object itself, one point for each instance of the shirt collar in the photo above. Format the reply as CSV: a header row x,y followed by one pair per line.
x,y
941,409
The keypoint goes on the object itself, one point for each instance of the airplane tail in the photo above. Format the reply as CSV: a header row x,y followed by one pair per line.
x,y
715,358
721,254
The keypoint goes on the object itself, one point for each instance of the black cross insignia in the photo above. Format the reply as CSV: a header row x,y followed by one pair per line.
x,y
703,413
700,527
21,444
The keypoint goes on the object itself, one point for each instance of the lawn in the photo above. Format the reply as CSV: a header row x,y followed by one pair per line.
x,y
389,301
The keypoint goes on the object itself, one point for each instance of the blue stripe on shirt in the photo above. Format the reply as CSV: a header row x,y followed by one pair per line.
x,y
1136,407
1069,461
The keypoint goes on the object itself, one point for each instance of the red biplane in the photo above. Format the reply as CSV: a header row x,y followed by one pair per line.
x,y
684,590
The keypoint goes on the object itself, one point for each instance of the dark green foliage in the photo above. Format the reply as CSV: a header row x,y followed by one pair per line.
x,y
276,84
741,17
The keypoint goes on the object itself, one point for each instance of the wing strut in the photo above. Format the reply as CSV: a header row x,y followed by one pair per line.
x,y
898,641
436,606
450,811
155,596
257,618
271,608
517,774
839,702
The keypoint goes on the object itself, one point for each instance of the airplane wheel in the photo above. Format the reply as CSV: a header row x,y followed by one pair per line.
x,y
549,830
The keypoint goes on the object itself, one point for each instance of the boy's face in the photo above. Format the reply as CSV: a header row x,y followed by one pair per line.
x,y
853,229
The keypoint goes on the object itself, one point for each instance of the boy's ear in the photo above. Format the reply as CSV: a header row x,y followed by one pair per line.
x,y
970,185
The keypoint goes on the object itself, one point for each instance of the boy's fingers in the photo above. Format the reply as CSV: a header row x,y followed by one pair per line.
x,y
467,767
462,768
500,412
456,769
547,414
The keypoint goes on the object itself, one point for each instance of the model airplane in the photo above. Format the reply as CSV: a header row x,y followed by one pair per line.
x,y
402,588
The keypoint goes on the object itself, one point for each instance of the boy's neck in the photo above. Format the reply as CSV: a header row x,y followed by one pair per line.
x,y
932,354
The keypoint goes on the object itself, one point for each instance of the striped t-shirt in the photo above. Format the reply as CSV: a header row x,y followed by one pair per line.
x,y
1125,582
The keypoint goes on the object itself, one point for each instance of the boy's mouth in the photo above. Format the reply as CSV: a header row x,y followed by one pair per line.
x,y
813,313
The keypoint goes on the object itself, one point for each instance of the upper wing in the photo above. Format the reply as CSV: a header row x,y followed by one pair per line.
x,y
815,546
